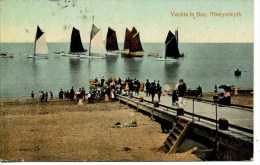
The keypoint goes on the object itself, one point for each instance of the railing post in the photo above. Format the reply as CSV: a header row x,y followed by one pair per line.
x,y
192,110
216,116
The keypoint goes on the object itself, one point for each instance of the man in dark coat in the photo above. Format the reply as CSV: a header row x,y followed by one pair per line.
x,y
102,81
137,87
32,95
72,92
152,91
159,92
61,94
199,91
51,94
119,81
182,88
147,87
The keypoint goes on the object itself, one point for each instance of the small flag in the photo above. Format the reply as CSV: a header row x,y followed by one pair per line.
x,y
94,31
39,33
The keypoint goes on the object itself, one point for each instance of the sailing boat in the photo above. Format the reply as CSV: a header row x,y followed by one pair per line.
x,y
132,45
111,42
171,48
128,37
96,45
40,46
76,47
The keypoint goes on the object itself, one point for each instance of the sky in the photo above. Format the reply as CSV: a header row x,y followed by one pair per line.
x,y
152,19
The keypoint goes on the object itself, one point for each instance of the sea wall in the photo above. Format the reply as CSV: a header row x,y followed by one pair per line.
x,y
226,145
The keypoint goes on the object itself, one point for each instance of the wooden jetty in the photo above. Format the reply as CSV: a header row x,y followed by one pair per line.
x,y
232,143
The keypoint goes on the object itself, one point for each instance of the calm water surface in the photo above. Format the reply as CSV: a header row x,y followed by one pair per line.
x,y
204,64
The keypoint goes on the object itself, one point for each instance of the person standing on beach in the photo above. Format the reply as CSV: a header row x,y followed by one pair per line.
x,y
72,93
89,97
51,94
46,97
83,93
42,96
61,94
32,95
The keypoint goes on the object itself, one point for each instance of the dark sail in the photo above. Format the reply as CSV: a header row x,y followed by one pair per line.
x,y
39,33
128,36
136,45
75,43
111,43
134,31
171,46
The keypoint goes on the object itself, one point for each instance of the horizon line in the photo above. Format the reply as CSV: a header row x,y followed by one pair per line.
x,y
154,42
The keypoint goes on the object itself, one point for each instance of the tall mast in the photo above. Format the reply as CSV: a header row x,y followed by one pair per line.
x,y
35,41
91,36
177,36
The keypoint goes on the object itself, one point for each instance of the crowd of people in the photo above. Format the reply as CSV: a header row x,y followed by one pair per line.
x,y
43,96
72,94
106,90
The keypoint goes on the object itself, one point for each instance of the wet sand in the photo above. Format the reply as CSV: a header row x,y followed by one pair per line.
x,y
64,131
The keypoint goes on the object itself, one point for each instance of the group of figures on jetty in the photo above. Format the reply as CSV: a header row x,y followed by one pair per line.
x,y
128,86
106,90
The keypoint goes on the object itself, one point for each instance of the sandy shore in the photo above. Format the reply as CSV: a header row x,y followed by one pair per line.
x,y
63,131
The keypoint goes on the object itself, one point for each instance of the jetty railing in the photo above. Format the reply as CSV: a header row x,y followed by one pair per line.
x,y
198,117
237,106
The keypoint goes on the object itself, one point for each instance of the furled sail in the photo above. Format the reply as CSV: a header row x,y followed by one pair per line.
x,y
111,40
171,46
75,43
41,47
97,45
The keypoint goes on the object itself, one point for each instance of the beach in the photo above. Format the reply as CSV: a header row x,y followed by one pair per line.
x,y
61,130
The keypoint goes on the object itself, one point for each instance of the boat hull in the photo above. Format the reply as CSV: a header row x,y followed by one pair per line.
x,y
153,54
112,53
71,55
7,55
132,54
38,56
92,57
10,56
168,59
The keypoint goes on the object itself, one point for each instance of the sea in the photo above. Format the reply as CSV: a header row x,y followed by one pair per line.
x,y
204,64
